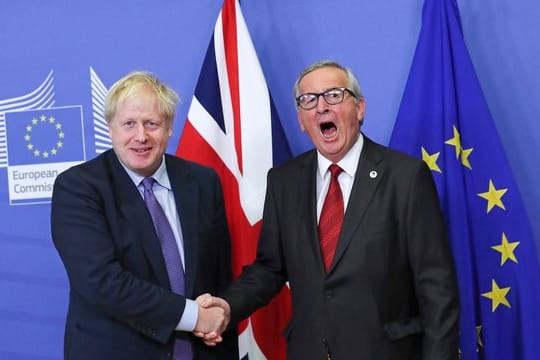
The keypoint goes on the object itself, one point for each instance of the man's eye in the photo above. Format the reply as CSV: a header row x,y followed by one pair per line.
x,y
308,99
129,124
151,124
332,95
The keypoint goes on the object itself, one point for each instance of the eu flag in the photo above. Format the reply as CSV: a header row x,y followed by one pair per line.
x,y
48,135
444,119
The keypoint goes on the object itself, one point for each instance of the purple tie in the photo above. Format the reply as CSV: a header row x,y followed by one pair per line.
x,y
171,254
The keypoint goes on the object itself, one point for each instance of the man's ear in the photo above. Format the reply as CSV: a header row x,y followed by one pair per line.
x,y
301,124
360,110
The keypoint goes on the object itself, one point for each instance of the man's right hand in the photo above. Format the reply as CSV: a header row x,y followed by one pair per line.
x,y
214,316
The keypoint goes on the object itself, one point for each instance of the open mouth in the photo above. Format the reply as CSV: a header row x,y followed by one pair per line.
x,y
328,129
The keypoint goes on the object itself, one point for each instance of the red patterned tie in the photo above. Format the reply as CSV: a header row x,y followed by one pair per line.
x,y
331,218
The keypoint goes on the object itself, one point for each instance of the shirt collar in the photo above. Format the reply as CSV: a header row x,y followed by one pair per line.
x,y
349,163
161,176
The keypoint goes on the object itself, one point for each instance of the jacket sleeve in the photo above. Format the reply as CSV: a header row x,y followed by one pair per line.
x,y
264,278
433,268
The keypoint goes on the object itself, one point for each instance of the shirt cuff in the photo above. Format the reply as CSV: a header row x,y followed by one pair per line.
x,y
188,321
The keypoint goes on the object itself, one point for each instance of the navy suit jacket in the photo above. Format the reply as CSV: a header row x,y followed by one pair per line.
x,y
391,292
120,302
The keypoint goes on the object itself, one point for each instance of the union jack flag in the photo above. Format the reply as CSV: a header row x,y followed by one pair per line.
x,y
233,127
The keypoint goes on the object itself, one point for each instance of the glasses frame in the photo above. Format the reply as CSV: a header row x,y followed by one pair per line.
x,y
324,94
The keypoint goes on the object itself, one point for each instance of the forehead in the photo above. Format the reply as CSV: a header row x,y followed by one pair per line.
x,y
322,79
138,101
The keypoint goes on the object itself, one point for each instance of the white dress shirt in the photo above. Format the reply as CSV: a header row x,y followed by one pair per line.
x,y
349,164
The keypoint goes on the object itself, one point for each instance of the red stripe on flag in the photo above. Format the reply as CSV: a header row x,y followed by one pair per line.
x,y
269,323
228,19
243,236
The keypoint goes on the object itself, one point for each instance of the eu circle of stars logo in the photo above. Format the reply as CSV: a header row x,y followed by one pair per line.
x,y
44,122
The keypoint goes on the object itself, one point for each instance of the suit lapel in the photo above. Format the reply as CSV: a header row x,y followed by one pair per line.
x,y
306,199
185,191
136,214
310,173
369,173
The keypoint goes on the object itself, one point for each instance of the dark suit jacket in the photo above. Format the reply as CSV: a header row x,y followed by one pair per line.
x,y
391,292
120,304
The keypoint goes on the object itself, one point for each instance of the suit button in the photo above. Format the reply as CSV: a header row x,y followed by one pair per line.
x,y
328,294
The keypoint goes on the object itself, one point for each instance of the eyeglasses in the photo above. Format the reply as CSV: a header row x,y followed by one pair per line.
x,y
332,96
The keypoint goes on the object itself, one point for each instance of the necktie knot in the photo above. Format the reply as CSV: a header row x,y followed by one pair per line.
x,y
335,170
148,183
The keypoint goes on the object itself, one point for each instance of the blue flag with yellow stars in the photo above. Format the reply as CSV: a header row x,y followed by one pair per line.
x,y
444,119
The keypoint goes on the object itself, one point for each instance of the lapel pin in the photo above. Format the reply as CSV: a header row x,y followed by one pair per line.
x,y
373,174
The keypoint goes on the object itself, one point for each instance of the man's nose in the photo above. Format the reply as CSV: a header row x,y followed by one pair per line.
x,y
140,132
322,105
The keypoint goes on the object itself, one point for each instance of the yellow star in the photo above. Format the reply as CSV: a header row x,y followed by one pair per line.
x,y
52,120
497,296
34,121
43,118
431,160
479,338
506,249
465,157
493,196
455,141
27,137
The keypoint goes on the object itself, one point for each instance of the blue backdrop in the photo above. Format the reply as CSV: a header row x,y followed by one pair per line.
x,y
63,54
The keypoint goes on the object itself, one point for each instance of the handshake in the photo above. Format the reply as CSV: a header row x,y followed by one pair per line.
x,y
214,316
